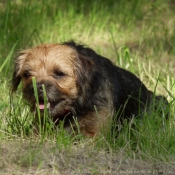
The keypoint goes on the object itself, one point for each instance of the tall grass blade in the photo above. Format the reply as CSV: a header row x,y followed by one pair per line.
x,y
7,60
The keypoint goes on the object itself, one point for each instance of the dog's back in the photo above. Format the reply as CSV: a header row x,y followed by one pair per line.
x,y
130,96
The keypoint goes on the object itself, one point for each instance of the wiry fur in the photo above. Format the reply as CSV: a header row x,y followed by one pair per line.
x,y
88,81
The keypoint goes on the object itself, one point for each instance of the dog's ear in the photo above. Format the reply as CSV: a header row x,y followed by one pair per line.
x,y
85,71
84,68
16,78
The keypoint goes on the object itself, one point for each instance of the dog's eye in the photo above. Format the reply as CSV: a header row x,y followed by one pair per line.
x,y
26,74
58,74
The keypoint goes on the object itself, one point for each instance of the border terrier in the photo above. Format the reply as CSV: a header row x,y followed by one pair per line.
x,y
80,84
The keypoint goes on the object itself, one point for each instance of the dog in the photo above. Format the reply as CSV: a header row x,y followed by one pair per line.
x,y
81,85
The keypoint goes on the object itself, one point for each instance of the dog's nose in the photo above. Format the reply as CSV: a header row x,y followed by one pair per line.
x,y
40,87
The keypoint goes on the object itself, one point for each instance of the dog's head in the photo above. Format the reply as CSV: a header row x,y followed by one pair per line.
x,y
61,68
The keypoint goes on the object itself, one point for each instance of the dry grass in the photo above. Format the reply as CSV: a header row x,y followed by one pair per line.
x,y
22,157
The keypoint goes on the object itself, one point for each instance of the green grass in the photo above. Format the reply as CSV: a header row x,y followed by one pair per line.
x,y
138,36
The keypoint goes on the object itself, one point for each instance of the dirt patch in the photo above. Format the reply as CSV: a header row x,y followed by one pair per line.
x,y
22,158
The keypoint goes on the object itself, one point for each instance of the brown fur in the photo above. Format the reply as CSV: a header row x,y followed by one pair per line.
x,y
76,79
41,62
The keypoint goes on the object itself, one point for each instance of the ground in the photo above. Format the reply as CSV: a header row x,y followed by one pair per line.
x,y
46,159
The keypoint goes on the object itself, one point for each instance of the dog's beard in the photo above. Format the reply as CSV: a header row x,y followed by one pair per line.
x,y
55,108
56,103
